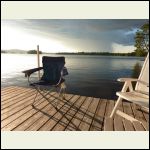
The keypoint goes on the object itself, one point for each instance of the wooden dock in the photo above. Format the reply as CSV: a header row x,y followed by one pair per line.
x,y
77,113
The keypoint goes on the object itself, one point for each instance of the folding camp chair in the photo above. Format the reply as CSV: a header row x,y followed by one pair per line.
x,y
139,95
52,79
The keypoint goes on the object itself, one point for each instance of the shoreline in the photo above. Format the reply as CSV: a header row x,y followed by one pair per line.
x,y
76,54
72,53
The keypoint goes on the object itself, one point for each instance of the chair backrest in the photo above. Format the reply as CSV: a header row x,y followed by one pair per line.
x,y
144,76
52,67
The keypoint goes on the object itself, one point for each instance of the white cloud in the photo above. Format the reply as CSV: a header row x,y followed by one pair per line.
x,y
119,48
13,38
61,35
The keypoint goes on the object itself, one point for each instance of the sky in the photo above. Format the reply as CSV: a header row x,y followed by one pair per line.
x,y
70,35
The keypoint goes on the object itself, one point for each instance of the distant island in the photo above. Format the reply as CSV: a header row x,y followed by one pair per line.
x,y
17,51
14,51
33,52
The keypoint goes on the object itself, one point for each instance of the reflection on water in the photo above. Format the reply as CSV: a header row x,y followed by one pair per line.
x,y
136,70
88,75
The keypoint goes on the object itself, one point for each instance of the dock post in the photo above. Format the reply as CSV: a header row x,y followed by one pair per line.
x,y
38,60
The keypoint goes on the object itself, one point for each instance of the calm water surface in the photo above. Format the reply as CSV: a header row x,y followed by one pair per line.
x,y
88,75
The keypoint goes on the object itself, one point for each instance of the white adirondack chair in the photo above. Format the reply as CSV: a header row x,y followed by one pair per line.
x,y
139,95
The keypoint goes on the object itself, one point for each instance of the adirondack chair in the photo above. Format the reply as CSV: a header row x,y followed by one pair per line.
x,y
139,95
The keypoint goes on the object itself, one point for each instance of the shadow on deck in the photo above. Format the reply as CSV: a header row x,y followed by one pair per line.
x,y
74,113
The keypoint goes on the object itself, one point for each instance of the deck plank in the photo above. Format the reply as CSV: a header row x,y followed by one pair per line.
x,y
109,108
99,116
128,125
57,115
145,125
97,123
16,100
16,107
118,124
146,115
25,116
89,116
127,108
20,104
35,117
75,113
138,113
93,111
9,90
6,89
22,115
69,114
8,97
7,101
138,126
108,122
64,120
79,116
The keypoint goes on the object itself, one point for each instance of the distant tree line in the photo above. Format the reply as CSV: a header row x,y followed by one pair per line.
x,y
99,53
21,51
80,53
2,51
33,52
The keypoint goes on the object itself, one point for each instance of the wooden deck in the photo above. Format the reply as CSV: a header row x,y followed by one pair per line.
x,y
78,113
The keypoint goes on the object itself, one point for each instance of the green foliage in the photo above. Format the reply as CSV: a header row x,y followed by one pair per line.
x,y
34,52
142,40
140,52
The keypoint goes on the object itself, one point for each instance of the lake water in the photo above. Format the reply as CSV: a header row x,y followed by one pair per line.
x,y
88,75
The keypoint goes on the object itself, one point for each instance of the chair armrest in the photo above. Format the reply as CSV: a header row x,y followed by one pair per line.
x,y
127,79
64,71
133,79
30,71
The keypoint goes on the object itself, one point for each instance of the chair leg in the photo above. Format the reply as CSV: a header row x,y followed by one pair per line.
x,y
116,106
35,99
64,93
62,90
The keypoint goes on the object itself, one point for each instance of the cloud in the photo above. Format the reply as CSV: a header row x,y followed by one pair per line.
x,y
119,48
82,34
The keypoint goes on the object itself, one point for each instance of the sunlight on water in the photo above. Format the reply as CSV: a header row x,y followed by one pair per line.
x,y
88,75
12,63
